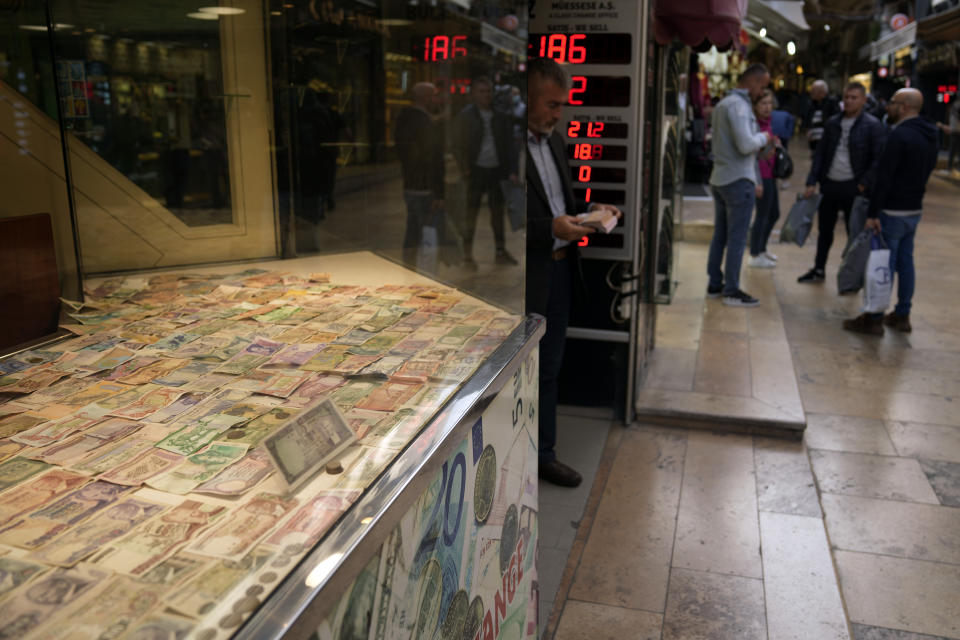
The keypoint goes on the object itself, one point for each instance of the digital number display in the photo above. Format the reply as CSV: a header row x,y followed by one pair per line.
x,y
599,91
592,151
582,48
589,173
588,129
604,196
603,240
441,47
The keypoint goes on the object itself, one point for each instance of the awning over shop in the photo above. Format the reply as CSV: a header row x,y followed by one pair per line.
x,y
695,21
942,27
890,43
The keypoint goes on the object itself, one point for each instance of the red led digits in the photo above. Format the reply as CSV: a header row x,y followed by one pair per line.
x,y
564,48
584,174
594,129
578,86
573,131
437,48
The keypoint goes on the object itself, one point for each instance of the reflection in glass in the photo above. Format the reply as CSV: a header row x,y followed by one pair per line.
x,y
397,131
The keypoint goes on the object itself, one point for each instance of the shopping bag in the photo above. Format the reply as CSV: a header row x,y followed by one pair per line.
x,y
857,219
514,198
797,226
854,263
878,280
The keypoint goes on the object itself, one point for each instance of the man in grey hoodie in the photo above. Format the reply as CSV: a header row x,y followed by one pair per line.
x,y
735,182
896,202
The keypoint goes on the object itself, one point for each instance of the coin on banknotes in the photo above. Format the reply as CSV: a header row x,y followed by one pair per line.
x,y
508,538
473,620
431,593
485,484
455,617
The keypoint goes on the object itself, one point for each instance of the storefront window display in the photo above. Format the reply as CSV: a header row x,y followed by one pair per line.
x,y
176,463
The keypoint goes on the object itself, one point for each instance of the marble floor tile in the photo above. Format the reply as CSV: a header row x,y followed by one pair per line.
x,y
802,596
637,518
679,330
558,525
772,375
904,529
873,377
669,403
913,407
847,433
708,606
723,365
869,476
672,369
784,478
944,477
550,566
717,523
866,632
591,621
897,593
916,440
720,318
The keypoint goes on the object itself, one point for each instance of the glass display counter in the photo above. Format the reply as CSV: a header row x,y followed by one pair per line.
x,y
293,390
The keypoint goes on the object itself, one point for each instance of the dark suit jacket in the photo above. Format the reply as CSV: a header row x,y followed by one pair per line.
x,y
470,139
540,226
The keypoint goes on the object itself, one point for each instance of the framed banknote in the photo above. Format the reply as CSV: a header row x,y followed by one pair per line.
x,y
304,444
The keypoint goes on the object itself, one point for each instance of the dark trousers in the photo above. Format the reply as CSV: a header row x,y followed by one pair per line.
x,y
483,181
837,196
551,354
768,212
954,150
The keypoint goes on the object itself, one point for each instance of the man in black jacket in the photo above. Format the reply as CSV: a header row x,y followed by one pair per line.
x,y
487,155
843,166
552,232
420,145
822,107
896,202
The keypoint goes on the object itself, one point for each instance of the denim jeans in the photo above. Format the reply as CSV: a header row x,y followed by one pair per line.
x,y
733,206
898,233
420,214
768,212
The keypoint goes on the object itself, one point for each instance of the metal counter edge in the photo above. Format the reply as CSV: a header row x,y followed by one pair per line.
x,y
295,610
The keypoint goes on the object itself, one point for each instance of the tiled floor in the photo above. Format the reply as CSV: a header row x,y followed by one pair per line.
x,y
852,534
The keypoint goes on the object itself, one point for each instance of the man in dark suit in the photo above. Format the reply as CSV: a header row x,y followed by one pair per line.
x,y
552,232
486,154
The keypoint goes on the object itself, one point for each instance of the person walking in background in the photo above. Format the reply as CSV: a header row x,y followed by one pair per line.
x,y
783,124
843,165
822,107
485,151
896,203
552,260
768,197
420,147
952,130
735,183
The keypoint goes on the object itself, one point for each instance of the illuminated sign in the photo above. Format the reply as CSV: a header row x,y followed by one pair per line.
x,y
440,47
582,48
593,151
599,91
579,128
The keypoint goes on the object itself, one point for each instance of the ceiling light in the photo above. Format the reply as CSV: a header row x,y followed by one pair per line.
x,y
826,27
791,47
43,27
223,11
200,15
763,32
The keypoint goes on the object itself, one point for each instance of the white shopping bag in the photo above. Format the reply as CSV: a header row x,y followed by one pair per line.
x,y
878,280
429,249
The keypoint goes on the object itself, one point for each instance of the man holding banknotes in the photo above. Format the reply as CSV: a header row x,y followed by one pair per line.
x,y
552,232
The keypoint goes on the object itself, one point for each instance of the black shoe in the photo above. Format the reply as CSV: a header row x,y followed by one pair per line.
x,y
557,473
740,299
505,258
870,325
813,276
898,322
714,292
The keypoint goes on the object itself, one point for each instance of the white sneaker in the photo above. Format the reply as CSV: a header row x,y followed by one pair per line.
x,y
770,256
761,262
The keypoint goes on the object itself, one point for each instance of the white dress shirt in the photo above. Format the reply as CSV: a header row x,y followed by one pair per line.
x,y
550,177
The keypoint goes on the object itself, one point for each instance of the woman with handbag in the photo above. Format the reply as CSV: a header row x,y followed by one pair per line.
x,y
768,196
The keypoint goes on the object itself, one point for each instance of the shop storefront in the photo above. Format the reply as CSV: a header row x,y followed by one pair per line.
x,y
281,401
